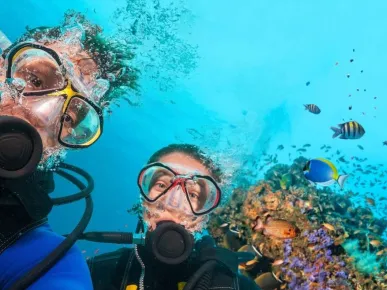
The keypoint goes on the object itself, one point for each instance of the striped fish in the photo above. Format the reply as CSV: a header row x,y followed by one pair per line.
x,y
312,108
349,130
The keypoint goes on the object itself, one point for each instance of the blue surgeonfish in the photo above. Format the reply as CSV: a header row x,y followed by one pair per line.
x,y
322,172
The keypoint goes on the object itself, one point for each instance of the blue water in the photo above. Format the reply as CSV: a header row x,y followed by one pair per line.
x,y
243,94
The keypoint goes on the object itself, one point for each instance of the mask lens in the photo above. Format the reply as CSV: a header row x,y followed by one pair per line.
x,y
38,69
80,124
45,110
202,194
154,181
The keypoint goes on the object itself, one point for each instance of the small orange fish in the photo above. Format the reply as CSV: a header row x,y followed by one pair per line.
x,y
276,228
380,253
252,262
329,226
339,240
278,262
375,243
370,201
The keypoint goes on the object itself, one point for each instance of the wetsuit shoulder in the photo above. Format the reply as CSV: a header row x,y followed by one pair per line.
x,y
106,268
70,272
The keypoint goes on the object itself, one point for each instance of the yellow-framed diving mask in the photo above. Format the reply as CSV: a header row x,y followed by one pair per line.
x,y
54,95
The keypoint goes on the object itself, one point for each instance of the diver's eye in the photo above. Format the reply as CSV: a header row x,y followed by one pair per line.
x,y
67,119
160,185
36,82
193,195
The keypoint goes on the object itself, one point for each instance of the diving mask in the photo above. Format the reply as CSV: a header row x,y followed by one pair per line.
x,y
192,193
54,96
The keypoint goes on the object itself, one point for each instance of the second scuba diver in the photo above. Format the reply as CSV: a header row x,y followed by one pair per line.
x,y
179,188
51,82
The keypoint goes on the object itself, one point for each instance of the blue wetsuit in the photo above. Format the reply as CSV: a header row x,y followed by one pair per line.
x,y
71,272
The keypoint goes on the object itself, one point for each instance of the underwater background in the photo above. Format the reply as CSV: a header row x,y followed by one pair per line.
x,y
233,78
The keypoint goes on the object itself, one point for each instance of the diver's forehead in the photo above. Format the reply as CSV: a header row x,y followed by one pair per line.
x,y
183,163
184,169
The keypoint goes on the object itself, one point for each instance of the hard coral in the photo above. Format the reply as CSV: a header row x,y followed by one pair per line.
x,y
316,258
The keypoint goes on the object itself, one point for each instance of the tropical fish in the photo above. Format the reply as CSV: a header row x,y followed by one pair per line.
x,y
314,109
280,147
268,280
360,147
370,201
322,172
250,263
375,243
329,226
384,143
276,228
301,150
349,130
278,262
306,145
286,181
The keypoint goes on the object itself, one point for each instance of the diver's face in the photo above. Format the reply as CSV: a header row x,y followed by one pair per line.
x,y
157,211
43,73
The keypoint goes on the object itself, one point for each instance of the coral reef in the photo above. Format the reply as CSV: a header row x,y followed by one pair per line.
x,y
338,246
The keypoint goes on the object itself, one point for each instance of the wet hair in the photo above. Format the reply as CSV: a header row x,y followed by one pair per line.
x,y
112,58
193,151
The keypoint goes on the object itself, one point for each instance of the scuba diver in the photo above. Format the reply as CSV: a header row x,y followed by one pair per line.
x,y
179,188
52,84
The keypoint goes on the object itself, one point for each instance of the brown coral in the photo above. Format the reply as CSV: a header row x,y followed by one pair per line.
x,y
308,208
272,200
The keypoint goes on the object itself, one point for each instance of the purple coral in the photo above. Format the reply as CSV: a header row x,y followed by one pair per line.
x,y
287,249
313,264
341,274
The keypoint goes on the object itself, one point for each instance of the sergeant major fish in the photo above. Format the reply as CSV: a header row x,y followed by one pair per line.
x,y
349,130
314,109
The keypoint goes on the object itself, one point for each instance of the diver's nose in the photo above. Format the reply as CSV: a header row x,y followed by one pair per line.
x,y
175,197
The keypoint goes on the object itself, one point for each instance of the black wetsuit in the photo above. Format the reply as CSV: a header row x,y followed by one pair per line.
x,y
117,270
